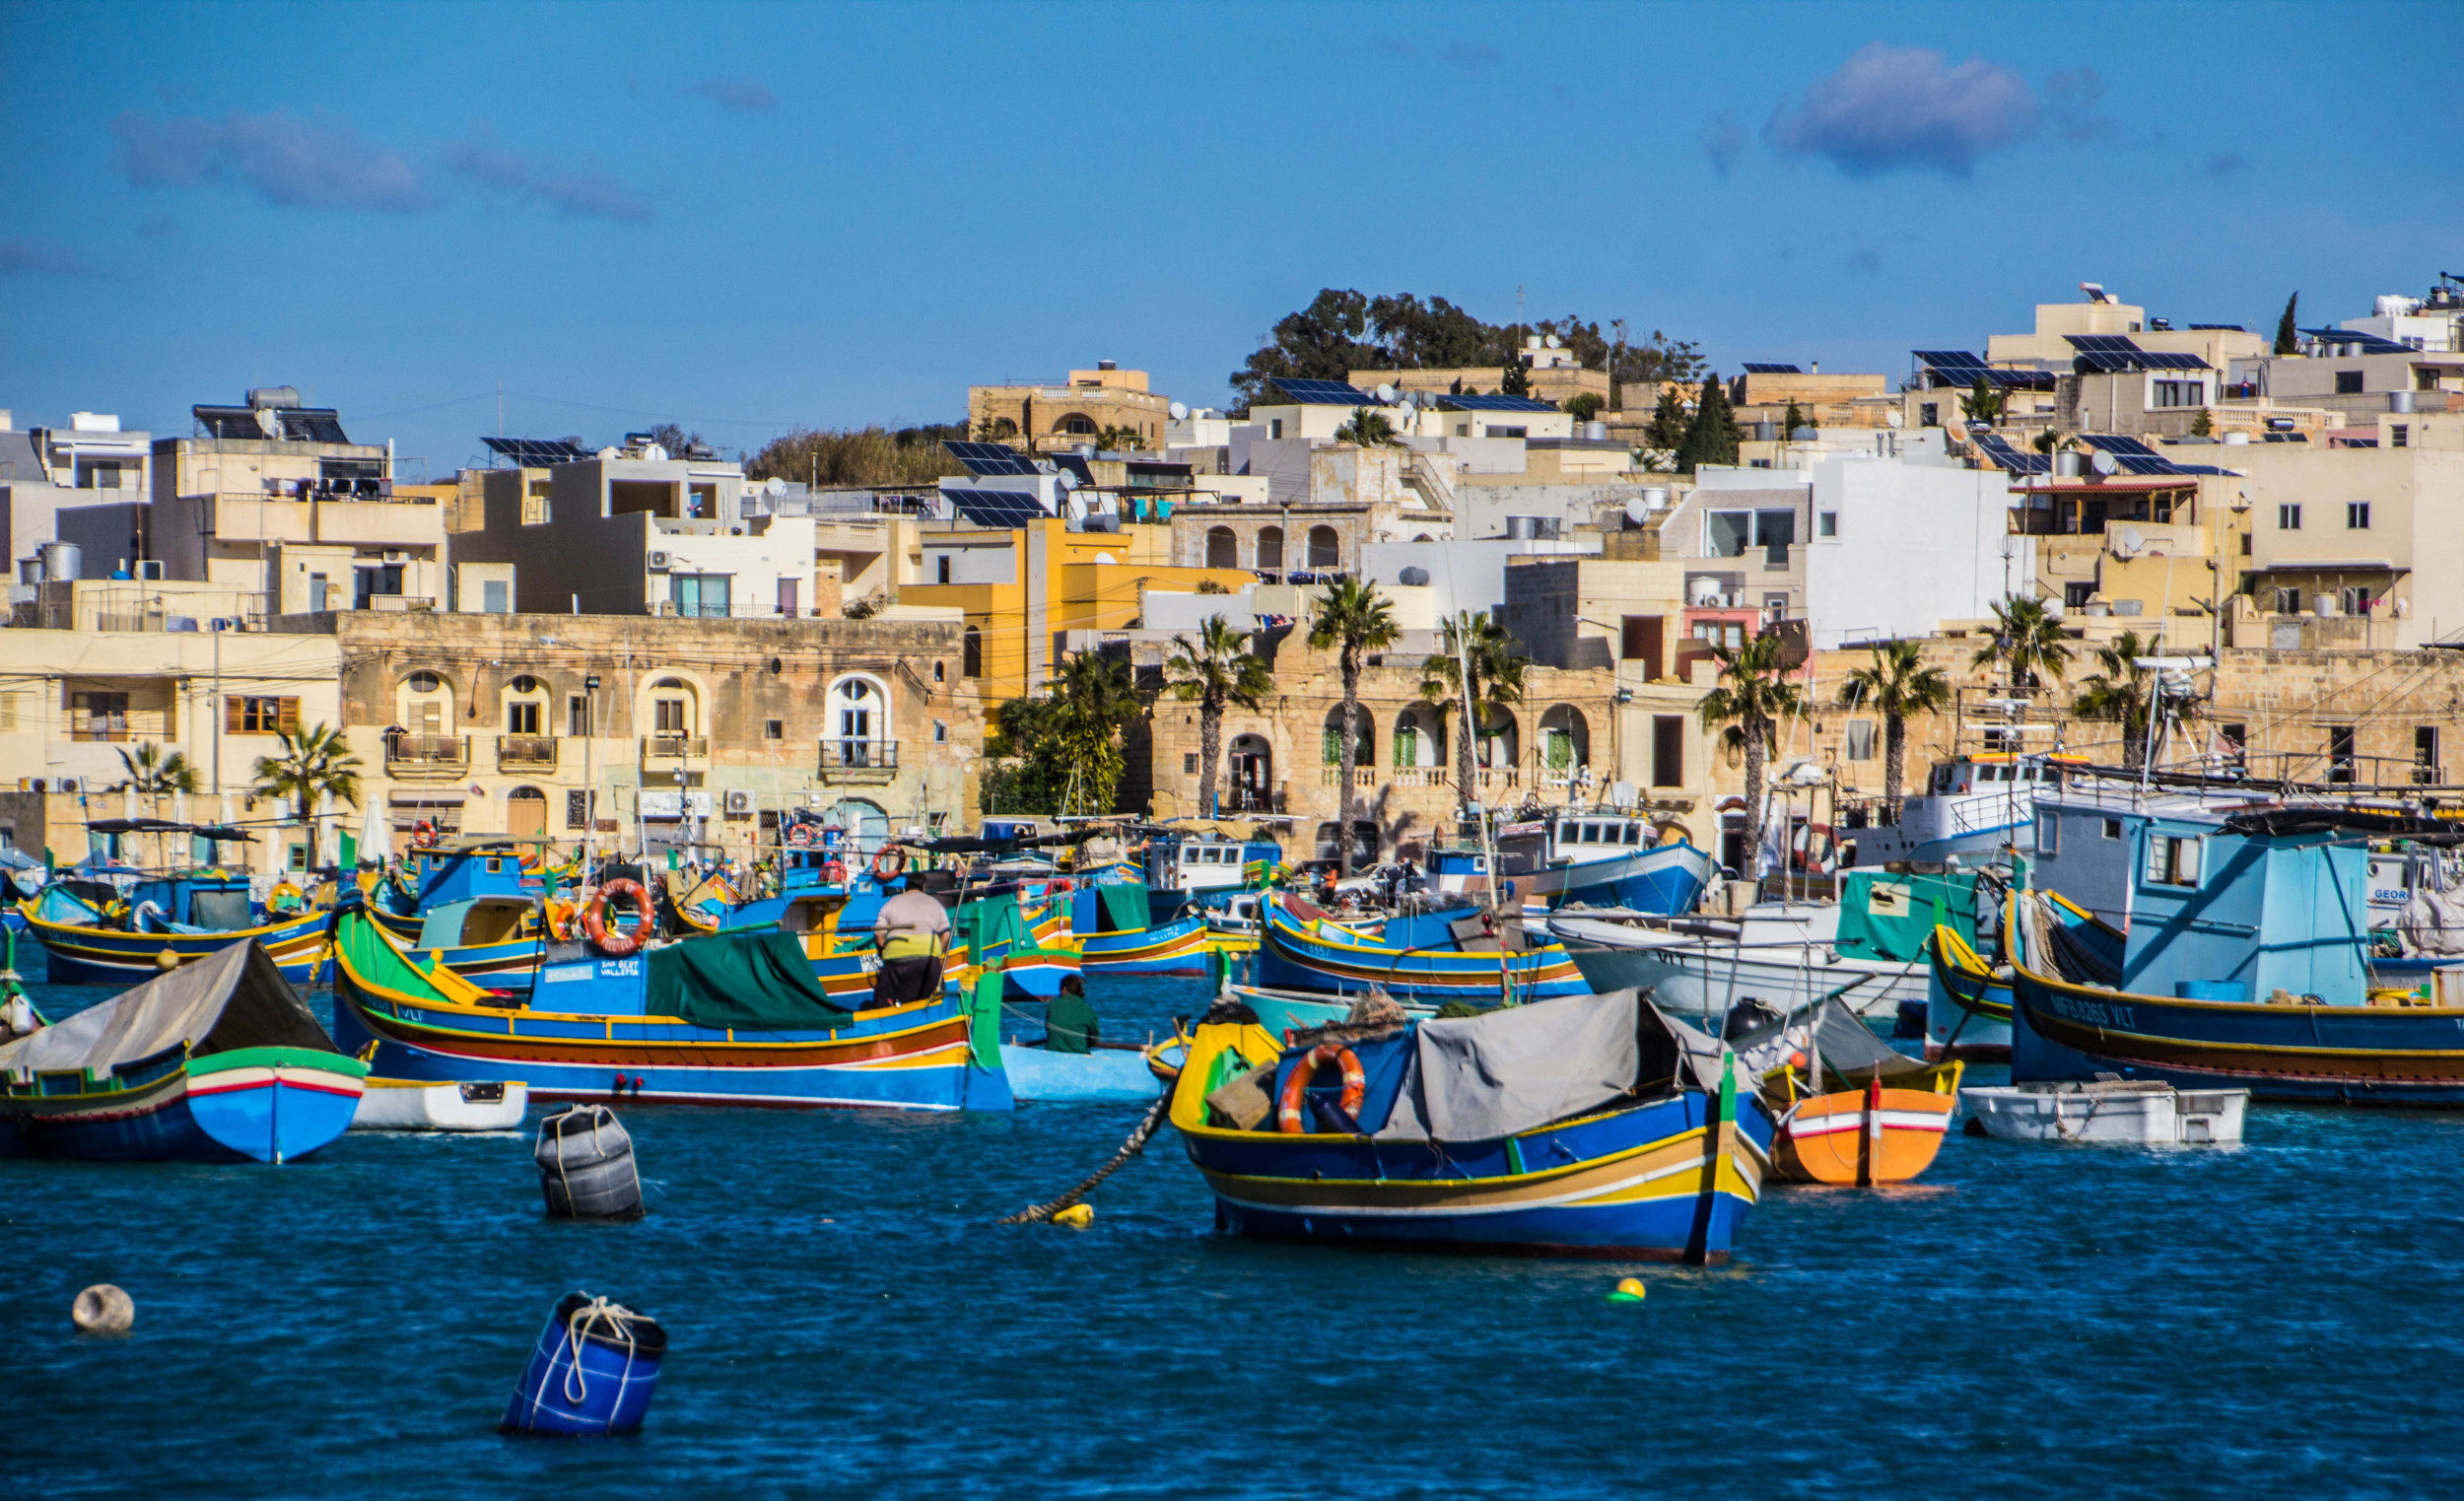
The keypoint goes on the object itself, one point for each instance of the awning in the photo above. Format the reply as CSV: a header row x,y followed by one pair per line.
x,y
2356,566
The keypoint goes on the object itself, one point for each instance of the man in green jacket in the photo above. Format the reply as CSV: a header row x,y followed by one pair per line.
x,y
1070,1023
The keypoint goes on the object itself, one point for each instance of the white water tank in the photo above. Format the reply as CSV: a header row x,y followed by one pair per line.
x,y
2399,401
1700,592
62,560
2325,606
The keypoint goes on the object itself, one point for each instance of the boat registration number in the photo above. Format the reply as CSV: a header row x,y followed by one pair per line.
x,y
561,973
2092,1013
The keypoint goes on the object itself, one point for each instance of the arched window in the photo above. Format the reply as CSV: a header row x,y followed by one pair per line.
x,y
856,725
1325,550
673,712
1500,745
525,706
424,707
1223,550
1420,739
1565,741
1077,425
1271,549
1364,745
1250,776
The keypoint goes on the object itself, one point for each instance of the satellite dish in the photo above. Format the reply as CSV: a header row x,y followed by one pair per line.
x,y
2103,463
1621,795
1412,577
1179,412
1385,395
1553,342
1070,480
2131,541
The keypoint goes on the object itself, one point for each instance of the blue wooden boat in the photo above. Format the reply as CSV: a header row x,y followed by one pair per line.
x,y
1443,955
476,904
83,945
1967,1003
1103,1077
217,1061
732,1019
1593,857
1585,1126
1117,934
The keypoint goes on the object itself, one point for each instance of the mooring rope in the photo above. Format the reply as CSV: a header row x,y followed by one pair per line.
x,y
1136,1143
590,1315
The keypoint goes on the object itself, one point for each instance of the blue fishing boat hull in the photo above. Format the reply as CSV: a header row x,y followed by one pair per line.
x,y
1290,957
1178,947
240,1109
1105,1076
78,954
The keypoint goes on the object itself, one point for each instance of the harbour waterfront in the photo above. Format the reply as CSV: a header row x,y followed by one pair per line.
x,y
847,1318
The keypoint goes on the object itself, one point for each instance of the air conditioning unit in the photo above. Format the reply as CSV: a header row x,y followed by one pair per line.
x,y
68,784
151,568
739,804
660,561
397,556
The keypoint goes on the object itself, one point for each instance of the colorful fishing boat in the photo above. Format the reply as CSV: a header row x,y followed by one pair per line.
x,y
217,1061
1453,953
476,905
82,947
1593,857
1117,935
1105,1075
1590,1125
1852,1110
734,1019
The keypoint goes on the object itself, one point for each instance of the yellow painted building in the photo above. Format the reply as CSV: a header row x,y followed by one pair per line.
x,y
1024,590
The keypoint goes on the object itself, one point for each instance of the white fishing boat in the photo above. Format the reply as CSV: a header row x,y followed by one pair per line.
x,y
1970,807
2138,1112
415,1105
1784,953
1597,856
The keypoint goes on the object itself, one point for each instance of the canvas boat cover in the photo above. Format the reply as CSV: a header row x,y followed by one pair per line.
x,y
753,979
1476,1078
232,997
1890,916
1125,906
1852,1056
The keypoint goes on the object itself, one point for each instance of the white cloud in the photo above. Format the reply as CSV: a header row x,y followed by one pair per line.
x,y
580,191
1890,108
319,163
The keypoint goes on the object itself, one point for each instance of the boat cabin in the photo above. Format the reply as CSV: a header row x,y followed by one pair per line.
x,y
1204,865
201,900
476,922
470,870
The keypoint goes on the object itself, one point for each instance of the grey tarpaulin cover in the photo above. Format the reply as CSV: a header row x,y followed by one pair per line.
x,y
1852,1056
232,997
1475,1078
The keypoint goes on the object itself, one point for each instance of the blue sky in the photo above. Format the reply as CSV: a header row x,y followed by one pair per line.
x,y
745,218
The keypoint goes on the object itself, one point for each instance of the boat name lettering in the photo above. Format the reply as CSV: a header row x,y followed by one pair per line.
x,y
619,969
2095,1013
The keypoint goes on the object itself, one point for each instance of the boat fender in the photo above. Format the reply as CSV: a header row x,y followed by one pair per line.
x,y
1629,1290
592,1371
166,958
1287,1112
586,1168
889,865
103,1309
613,941
1076,1216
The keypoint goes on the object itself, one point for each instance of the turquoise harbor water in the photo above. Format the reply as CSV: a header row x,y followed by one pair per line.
x,y
846,1319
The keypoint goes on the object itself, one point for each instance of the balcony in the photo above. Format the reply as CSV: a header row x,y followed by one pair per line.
x,y
858,760
674,748
525,753
411,757
1364,777
399,603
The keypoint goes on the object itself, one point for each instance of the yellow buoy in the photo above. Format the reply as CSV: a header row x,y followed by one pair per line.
x,y
1629,1290
1076,1216
167,958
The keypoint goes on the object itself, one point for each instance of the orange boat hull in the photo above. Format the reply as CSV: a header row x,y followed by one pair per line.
x,y
1864,1136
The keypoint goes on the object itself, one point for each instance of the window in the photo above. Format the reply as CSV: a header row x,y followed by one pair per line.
x,y
492,597
668,716
1827,524
2340,754
942,569
1929,416
1728,533
2113,828
940,732
971,653
577,714
1275,427
2177,393
1667,750
578,810
787,597
1463,430
1189,763
2398,435
1641,642
1859,739
701,596
1271,549
1326,549
101,716
255,715
2425,753
321,593
2347,382
940,672
1505,432
2245,544
2354,599
2356,515
2076,594
2172,860
2287,601
522,716
2288,518
2236,738
2048,832
774,729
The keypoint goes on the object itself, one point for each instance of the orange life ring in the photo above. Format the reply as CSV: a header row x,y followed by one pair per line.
x,y
800,837
1287,1117
1060,887
893,857
560,918
615,941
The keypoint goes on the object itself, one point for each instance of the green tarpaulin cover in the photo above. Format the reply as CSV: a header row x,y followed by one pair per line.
x,y
1890,916
757,980
1125,906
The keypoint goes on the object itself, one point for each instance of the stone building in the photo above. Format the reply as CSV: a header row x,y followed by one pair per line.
x,y
1047,418
652,732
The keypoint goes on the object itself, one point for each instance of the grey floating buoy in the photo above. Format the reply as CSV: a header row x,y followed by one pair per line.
x,y
585,1165
103,1309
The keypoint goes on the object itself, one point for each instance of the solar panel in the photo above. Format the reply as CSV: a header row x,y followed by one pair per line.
x,y
2160,360
1997,450
1948,359
2220,327
996,508
981,458
538,452
1494,404
1322,394
1076,465
2358,342
2108,343
2116,445
2021,379
1772,370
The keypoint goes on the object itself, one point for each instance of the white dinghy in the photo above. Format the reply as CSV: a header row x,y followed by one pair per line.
x,y
415,1105
2142,1112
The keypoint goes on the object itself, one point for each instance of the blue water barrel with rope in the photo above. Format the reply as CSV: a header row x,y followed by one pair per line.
x,y
593,1371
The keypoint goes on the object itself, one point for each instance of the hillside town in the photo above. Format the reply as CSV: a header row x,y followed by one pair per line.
x,y
2138,537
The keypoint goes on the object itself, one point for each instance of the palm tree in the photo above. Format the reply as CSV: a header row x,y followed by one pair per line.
x,y
1093,701
2027,640
313,764
1896,686
1983,402
1754,696
1370,429
1215,672
154,775
2123,692
1497,663
1352,620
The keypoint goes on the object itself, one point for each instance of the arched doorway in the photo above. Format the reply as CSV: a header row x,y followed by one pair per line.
x,y
1271,549
1223,550
526,813
1326,549
1500,746
1249,761
971,653
865,823
1565,741
1077,425
1420,739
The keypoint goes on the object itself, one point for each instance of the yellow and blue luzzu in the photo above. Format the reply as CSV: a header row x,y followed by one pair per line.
x,y
189,916
1585,1126
1419,956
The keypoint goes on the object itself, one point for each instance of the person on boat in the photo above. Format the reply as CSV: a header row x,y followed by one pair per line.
x,y
911,936
1070,1023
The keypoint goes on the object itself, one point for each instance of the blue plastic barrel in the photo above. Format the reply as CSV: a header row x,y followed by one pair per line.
x,y
593,1371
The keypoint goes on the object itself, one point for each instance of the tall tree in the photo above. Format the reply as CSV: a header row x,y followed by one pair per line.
x,y
1896,686
1711,438
2288,337
1353,620
1793,419
2123,692
1215,671
2025,641
1517,381
308,767
1754,694
154,776
1497,661
1665,430
1059,752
